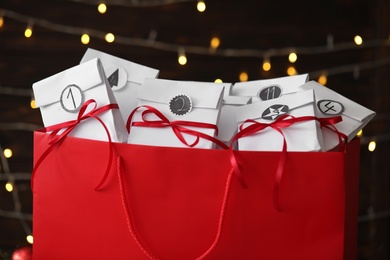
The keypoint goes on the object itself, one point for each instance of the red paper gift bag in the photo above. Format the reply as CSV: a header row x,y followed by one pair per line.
x,y
180,203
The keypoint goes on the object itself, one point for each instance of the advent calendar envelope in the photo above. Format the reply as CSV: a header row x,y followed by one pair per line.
x,y
125,78
195,102
302,136
227,124
329,103
61,96
228,88
265,89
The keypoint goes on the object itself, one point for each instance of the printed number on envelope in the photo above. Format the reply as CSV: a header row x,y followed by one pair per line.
x,y
180,105
72,97
330,107
270,92
274,112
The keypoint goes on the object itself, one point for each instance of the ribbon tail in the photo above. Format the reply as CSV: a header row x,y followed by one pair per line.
x,y
237,170
110,147
279,174
105,176
278,180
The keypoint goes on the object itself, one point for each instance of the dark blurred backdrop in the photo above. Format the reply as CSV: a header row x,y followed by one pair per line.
x,y
153,32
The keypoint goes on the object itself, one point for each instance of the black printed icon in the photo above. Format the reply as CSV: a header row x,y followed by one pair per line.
x,y
180,105
270,92
330,107
72,97
274,112
117,77
113,79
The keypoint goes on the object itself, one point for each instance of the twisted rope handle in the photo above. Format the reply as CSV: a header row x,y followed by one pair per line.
x,y
130,222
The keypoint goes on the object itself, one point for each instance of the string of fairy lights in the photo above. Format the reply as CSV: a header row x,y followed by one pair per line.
x,y
86,34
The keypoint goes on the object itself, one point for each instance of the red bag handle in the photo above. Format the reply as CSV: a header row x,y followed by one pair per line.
x,y
130,223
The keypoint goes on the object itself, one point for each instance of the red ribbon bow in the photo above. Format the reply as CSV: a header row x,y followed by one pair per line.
x,y
281,122
177,126
56,138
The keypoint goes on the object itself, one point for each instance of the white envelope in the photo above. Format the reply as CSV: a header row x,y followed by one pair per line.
x,y
125,78
60,97
329,103
206,100
265,89
228,89
227,124
301,136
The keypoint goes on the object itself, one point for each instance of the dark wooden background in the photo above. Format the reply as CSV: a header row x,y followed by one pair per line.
x,y
249,24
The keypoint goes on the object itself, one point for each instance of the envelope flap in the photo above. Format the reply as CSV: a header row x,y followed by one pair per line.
x,y
202,94
275,87
236,100
329,101
228,88
134,72
84,76
285,103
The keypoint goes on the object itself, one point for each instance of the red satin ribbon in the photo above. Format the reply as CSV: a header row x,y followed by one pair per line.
x,y
55,139
281,122
177,126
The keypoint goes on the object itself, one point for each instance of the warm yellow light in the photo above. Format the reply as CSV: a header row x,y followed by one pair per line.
x,y
102,8
322,79
266,65
292,57
371,146
85,38
33,104
182,59
30,239
28,32
9,187
291,71
360,133
1,21
243,76
214,43
7,153
358,40
201,6
109,37
218,81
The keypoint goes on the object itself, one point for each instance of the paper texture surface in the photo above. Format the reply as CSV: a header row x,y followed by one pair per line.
x,y
330,103
125,78
261,90
175,197
303,136
206,100
227,124
60,97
